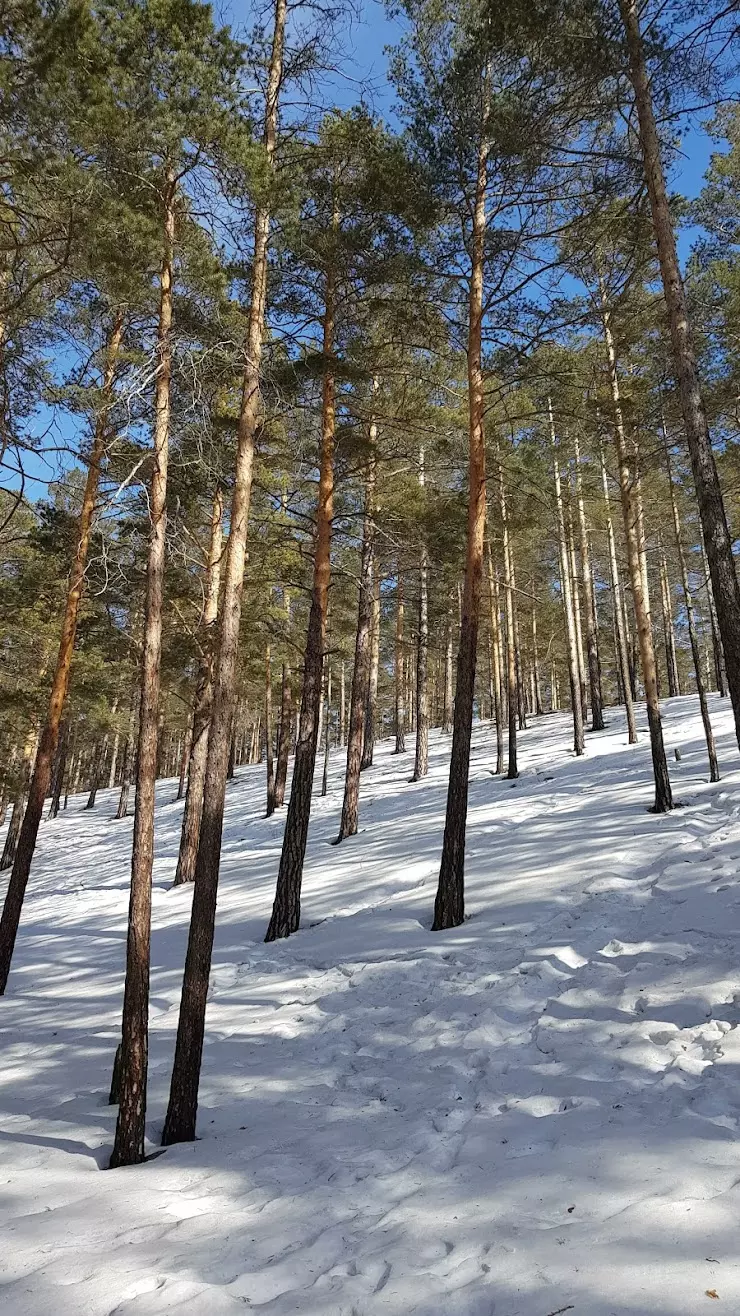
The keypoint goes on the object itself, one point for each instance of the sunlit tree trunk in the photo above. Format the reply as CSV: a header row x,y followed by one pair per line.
x,y
284,724
41,776
594,674
630,515
511,674
621,636
576,596
669,639
536,680
128,1147
571,638
398,667
706,480
449,906
193,811
368,741
448,696
498,709
180,1120
359,696
421,762
691,620
717,650
286,911
327,732
270,804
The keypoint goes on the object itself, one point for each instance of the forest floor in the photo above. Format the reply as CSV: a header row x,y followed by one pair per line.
x,y
534,1114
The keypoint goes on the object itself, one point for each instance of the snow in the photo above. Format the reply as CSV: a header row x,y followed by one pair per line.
x,y
535,1113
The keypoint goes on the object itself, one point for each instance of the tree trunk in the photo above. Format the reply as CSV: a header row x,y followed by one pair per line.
x,y
693,638
717,650
97,772
576,596
447,704
128,762
449,906
359,697
183,1103
286,911
59,771
421,762
41,776
128,1148
184,759
622,652
342,706
669,639
114,759
706,480
498,709
11,837
567,594
327,732
512,771
631,518
594,673
518,666
536,680
368,742
284,736
398,667
202,703
270,807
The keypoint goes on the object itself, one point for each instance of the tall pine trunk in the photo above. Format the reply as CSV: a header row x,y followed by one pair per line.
x,y
359,696
284,736
594,674
184,757
576,597
128,1148
449,906
625,680
691,620
536,679
634,540
447,702
202,703
286,911
706,480
498,702
421,759
571,637
180,1120
398,668
669,639
327,731
368,742
41,776
270,761
512,771
717,650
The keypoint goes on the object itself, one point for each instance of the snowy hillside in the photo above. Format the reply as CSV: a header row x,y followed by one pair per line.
x,y
534,1114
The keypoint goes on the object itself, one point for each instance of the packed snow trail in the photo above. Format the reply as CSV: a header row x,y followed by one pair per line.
x,y
535,1113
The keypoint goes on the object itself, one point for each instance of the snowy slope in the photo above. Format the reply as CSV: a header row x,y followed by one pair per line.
x,y
536,1113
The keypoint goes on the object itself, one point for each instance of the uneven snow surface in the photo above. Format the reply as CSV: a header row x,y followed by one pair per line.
x,y
536,1113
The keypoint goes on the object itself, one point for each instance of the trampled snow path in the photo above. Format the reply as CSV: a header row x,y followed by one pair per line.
x,y
535,1113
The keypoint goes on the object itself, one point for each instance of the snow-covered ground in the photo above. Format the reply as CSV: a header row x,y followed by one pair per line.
x,y
536,1113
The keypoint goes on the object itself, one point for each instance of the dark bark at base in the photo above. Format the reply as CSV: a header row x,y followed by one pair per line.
x,y
114,1096
286,913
